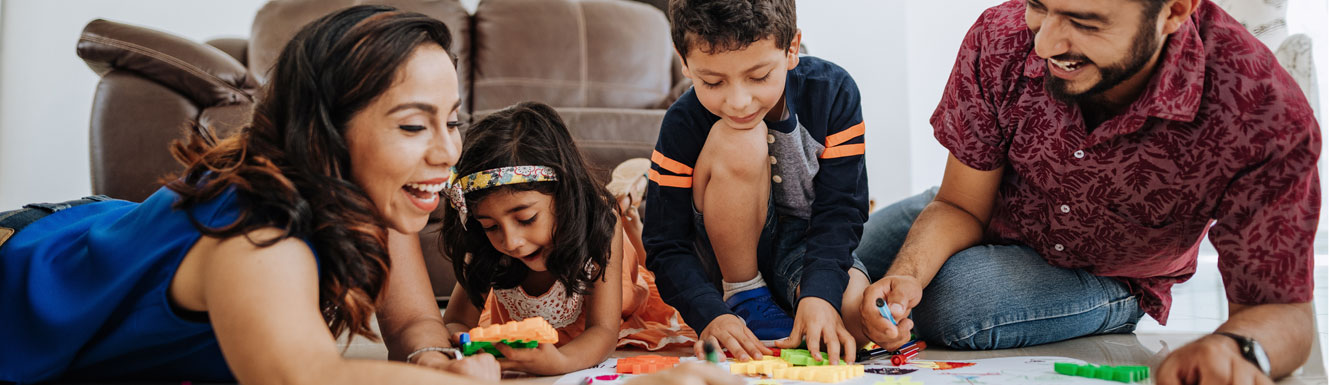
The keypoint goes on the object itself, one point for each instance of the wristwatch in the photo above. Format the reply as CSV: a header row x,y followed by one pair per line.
x,y
451,353
1251,350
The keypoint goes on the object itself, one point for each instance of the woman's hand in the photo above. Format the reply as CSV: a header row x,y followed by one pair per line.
x,y
480,366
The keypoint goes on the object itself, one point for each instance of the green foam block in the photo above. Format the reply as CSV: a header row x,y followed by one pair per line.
x,y
474,347
1128,373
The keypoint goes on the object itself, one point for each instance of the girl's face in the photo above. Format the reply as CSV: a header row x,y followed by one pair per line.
x,y
404,142
520,224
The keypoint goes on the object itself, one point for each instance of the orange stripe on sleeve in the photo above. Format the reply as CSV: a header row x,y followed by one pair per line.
x,y
846,135
843,151
671,180
670,164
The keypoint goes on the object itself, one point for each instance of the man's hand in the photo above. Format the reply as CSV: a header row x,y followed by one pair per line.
x,y
480,366
902,294
730,333
1213,359
689,374
544,359
817,322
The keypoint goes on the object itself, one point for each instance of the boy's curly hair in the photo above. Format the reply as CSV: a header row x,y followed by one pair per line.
x,y
727,25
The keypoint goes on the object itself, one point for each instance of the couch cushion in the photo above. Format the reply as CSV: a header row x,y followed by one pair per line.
x,y
570,53
608,136
279,20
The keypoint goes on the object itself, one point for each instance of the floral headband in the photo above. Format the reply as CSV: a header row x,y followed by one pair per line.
x,y
458,187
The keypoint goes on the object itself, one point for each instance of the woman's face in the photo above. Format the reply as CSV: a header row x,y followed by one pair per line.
x,y
404,142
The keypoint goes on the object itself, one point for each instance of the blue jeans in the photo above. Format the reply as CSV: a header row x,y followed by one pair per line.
x,y
999,296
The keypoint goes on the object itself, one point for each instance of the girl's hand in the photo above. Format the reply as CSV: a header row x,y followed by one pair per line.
x,y
544,359
628,216
480,366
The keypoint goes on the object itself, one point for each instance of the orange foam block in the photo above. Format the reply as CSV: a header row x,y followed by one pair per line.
x,y
530,329
644,364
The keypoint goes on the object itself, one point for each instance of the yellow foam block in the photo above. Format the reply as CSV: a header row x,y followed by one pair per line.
x,y
764,366
829,373
530,329
898,381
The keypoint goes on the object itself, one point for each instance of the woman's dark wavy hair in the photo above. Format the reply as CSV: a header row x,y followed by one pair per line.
x,y
290,166
531,134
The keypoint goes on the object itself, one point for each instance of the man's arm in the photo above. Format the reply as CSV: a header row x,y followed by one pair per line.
x,y
1284,331
954,221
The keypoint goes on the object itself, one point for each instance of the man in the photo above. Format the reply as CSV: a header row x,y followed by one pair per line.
x,y
1093,144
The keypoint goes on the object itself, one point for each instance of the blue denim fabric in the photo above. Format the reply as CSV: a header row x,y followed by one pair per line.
x,y
999,296
18,219
780,254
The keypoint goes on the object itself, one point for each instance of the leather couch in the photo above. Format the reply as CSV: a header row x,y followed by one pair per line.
x,y
606,65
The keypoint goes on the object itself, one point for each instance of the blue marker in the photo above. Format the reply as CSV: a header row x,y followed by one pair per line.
x,y
886,313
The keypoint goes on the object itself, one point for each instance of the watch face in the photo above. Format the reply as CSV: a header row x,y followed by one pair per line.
x,y
1262,360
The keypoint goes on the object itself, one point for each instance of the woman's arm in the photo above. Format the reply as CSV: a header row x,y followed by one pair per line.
x,y
264,307
409,316
602,327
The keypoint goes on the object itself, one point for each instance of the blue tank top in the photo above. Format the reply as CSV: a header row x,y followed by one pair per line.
x,y
84,294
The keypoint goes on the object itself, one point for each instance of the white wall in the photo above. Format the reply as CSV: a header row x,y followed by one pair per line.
x,y
46,90
863,36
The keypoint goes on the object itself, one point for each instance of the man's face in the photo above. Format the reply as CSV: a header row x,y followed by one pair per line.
x,y
741,86
1092,46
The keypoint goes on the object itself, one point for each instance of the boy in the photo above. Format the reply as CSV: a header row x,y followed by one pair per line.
x,y
766,152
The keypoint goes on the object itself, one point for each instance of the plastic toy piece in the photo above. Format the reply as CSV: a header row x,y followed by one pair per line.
x,y
1126,374
763,367
801,357
904,380
530,329
524,334
644,364
766,382
826,374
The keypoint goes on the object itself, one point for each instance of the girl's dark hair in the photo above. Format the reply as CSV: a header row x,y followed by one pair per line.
x,y
531,134
291,168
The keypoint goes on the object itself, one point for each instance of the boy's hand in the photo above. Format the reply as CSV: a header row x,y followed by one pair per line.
x,y
902,293
817,322
544,359
480,366
729,332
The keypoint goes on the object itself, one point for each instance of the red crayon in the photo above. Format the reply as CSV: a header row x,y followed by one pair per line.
x,y
901,359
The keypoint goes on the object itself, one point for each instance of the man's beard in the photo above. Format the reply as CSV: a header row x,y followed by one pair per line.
x,y
1145,44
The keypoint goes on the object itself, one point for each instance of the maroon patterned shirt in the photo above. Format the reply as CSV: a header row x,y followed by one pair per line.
x,y
1221,135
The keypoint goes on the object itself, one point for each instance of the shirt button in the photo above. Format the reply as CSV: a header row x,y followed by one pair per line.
x,y
1079,154
1058,247
1065,208
775,178
771,138
773,160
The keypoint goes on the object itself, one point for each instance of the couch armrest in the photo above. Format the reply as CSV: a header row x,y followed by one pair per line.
x,y
202,73
238,48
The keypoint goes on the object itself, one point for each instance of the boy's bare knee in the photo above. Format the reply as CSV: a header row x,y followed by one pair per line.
x,y
737,155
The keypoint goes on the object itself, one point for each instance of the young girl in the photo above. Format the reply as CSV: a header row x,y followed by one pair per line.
x,y
534,234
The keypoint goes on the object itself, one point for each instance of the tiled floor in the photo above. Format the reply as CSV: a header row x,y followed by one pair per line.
x,y
1199,306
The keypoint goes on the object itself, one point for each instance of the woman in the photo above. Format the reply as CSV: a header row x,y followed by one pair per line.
x,y
273,241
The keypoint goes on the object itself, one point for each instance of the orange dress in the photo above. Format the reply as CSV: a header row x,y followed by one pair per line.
x,y
648,322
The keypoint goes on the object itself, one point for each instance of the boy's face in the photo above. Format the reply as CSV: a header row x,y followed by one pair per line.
x,y
742,86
